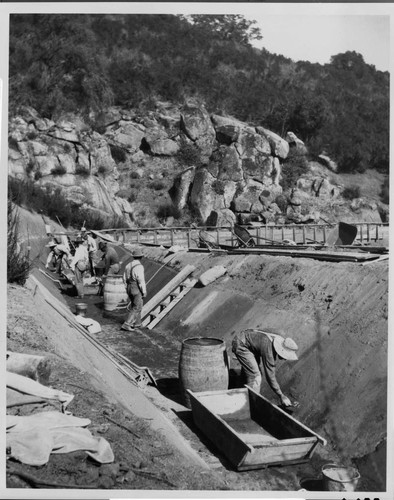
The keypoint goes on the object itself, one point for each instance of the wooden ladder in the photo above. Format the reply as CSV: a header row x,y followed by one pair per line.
x,y
167,298
158,313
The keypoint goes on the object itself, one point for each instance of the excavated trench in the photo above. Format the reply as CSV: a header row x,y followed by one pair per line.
x,y
336,312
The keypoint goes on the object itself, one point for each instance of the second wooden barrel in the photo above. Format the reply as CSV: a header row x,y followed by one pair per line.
x,y
203,366
115,295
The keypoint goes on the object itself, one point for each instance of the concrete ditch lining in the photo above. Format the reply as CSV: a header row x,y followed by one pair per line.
x,y
106,378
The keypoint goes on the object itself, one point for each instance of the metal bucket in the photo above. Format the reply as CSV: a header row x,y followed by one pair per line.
x,y
340,478
81,308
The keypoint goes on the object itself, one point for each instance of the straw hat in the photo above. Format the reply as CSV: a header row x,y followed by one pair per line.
x,y
137,254
51,244
286,348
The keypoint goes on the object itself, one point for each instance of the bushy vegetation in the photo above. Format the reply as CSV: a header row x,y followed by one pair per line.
x,y
117,153
385,193
295,165
18,262
168,210
350,193
58,170
81,170
50,201
157,185
86,62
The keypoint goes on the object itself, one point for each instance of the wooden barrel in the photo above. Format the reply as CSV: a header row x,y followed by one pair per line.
x,y
203,366
115,295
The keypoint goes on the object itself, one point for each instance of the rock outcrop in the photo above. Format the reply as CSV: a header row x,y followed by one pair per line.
x,y
218,167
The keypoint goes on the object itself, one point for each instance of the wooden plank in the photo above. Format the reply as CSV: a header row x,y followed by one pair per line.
x,y
319,255
172,304
166,290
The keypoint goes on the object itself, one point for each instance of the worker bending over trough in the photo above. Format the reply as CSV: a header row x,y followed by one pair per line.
x,y
111,259
254,347
57,253
134,278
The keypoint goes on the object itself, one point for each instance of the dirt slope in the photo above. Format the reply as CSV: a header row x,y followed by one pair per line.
x,y
336,312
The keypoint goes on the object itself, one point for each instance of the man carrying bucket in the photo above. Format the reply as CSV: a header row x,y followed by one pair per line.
x,y
134,279
254,346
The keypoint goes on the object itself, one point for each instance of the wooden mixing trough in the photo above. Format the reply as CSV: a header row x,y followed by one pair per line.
x,y
250,431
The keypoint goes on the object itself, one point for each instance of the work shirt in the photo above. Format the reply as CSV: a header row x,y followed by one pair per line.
x,y
81,253
134,272
92,245
261,345
59,251
110,258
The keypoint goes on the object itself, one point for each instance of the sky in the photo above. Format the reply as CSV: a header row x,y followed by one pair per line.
x,y
316,38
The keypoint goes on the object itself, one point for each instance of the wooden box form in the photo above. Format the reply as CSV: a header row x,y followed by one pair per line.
x,y
251,431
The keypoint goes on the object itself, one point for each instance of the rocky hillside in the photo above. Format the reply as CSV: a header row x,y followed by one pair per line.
x,y
177,165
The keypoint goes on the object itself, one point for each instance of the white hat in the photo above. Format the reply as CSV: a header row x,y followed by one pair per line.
x,y
51,244
286,348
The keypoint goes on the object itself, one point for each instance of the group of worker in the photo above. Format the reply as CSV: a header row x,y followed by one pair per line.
x,y
256,350
85,258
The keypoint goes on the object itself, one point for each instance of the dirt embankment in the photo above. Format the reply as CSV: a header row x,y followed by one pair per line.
x,y
337,314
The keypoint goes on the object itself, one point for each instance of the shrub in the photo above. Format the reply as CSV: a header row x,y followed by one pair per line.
x,y
18,263
30,166
189,154
157,185
67,147
132,197
134,175
385,193
102,169
80,170
58,170
293,168
168,210
117,153
32,135
218,186
37,175
350,193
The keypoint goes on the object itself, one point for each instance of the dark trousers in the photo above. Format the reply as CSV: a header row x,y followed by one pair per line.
x,y
136,303
79,282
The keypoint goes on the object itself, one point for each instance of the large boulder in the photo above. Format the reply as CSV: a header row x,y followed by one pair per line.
x,y
197,125
227,129
65,131
159,142
225,164
296,143
251,145
127,136
279,147
180,191
204,198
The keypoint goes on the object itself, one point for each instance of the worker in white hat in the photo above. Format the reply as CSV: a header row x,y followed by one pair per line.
x,y
256,347
57,253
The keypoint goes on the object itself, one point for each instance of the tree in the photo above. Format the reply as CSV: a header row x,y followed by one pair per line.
x,y
230,27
